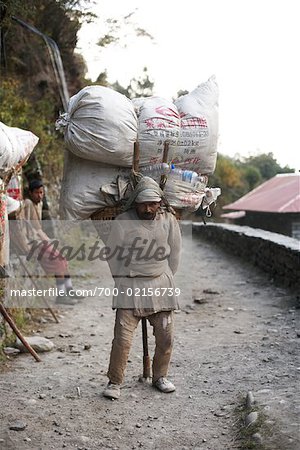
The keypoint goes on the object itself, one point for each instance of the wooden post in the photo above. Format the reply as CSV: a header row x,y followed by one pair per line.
x,y
146,357
13,326
163,177
136,157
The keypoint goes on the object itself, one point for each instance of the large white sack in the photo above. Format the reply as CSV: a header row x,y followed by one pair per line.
x,y
158,121
197,145
80,193
100,125
15,145
181,195
4,233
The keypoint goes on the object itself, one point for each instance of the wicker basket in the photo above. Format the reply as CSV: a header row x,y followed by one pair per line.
x,y
111,212
107,213
178,213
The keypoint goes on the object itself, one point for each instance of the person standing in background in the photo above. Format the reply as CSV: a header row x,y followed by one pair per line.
x,y
53,263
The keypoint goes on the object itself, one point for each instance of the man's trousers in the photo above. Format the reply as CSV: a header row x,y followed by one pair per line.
x,y
125,325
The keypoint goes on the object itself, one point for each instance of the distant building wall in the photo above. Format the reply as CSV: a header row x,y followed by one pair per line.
x,y
283,223
274,253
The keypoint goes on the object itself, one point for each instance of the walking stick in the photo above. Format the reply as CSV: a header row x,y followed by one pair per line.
x,y
13,326
36,286
146,357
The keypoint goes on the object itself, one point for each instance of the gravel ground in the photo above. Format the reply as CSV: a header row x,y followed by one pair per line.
x,y
236,332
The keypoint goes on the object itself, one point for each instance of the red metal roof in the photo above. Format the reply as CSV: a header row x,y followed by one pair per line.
x,y
280,194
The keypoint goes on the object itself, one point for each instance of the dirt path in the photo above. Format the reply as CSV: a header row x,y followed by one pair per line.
x,y
241,336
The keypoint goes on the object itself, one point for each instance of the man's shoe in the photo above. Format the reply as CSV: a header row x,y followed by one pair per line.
x,y
65,300
164,385
112,391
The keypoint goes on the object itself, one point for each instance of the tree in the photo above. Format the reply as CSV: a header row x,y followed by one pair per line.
x,y
117,30
102,79
267,165
252,176
229,178
141,87
138,87
181,93
28,92
116,86
26,53
237,176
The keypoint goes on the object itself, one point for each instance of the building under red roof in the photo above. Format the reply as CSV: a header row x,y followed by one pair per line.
x,y
273,206
280,194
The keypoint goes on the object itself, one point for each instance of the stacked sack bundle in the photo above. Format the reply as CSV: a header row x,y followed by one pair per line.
x,y
197,145
158,122
190,125
80,195
100,128
16,145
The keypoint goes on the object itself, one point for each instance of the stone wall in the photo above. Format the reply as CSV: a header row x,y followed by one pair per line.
x,y
276,254
274,222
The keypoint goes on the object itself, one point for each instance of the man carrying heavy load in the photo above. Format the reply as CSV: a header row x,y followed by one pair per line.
x,y
146,243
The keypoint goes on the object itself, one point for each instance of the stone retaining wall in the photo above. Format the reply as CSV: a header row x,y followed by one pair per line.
x,y
274,253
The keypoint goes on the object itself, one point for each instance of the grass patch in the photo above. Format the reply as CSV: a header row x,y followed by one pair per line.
x,y
244,434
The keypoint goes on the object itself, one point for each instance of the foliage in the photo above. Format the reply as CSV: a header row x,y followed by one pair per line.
x,y
252,176
141,87
116,86
19,111
14,106
228,177
29,93
137,87
181,93
237,176
102,79
267,165
244,434
26,53
117,30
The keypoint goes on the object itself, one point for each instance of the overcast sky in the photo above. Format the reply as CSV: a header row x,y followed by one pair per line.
x,y
251,46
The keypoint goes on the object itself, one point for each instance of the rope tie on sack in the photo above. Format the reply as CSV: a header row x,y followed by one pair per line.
x,y
63,121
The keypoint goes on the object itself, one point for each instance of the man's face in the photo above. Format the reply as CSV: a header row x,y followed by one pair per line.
x,y
37,195
147,210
